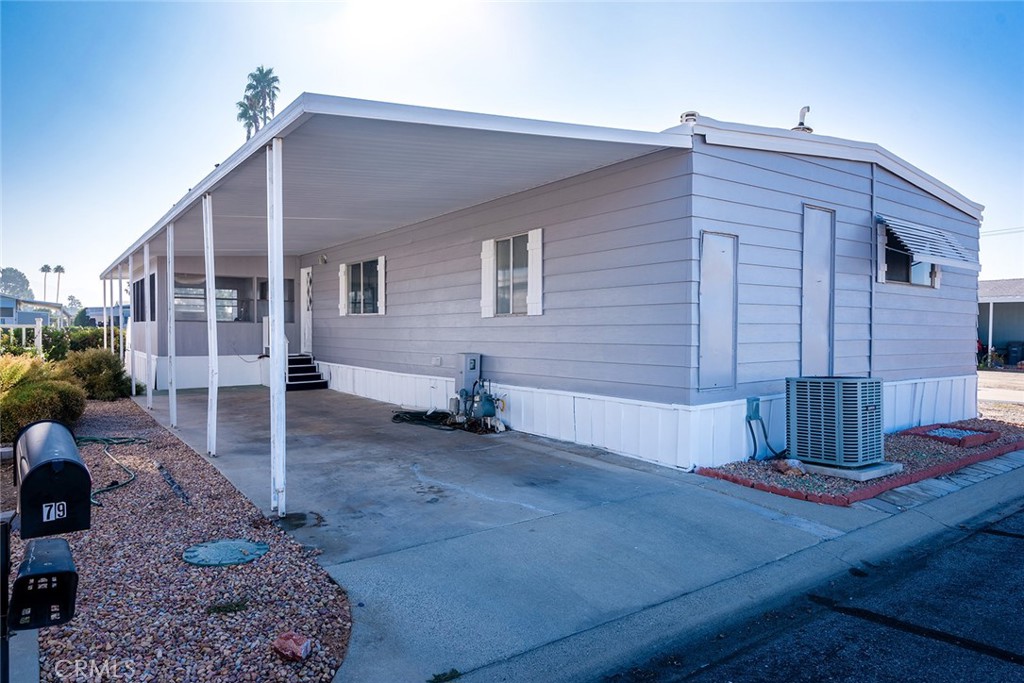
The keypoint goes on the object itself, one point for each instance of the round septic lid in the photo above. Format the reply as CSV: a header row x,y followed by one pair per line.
x,y
224,552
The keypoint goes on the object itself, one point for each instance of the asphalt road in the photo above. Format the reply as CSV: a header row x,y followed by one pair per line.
x,y
953,613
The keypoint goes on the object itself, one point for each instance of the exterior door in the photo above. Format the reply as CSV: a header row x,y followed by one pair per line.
x,y
816,314
306,311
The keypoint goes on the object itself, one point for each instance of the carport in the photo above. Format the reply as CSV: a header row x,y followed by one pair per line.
x,y
469,552
328,170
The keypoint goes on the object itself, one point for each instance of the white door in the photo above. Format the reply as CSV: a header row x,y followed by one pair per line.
x,y
816,313
306,311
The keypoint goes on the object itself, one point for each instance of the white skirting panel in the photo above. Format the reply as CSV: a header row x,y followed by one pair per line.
x,y
912,403
668,434
193,371
414,391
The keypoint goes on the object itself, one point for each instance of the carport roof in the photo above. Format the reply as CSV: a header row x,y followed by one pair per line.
x,y
353,168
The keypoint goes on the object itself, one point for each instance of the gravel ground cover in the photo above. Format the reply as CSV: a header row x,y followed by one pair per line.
x,y
143,613
920,456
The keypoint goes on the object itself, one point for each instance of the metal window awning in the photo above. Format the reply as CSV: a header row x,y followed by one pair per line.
x,y
930,244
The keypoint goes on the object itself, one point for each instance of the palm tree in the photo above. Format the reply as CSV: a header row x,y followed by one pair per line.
x,y
44,270
58,270
248,114
263,88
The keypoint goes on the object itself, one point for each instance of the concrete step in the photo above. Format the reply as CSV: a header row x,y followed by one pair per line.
x,y
307,385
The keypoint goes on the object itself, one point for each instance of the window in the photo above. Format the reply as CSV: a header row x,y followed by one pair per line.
x,y
511,272
900,265
361,288
233,295
263,300
139,298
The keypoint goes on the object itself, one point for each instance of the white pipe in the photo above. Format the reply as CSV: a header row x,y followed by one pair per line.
x,y
211,326
172,376
278,349
148,315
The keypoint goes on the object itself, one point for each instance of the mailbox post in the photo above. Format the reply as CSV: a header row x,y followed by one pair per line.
x,y
54,488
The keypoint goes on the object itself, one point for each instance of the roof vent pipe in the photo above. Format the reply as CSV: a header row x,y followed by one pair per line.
x,y
689,117
800,127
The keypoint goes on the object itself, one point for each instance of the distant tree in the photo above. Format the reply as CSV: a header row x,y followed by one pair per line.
x,y
59,270
73,302
44,270
14,283
83,319
263,88
248,115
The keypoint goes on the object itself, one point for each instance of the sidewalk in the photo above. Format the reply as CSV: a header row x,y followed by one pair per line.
x,y
516,558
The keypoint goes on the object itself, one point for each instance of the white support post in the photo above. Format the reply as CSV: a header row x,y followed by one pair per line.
x,y
120,313
211,326
39,337
132,303
991,349
110,283
103,284
172,376
278,349
148,315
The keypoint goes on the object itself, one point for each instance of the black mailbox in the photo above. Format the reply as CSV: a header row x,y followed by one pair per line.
x,y
44,591
53,483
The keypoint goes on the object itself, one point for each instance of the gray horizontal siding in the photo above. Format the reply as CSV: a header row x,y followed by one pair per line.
x,y
760,197
617,277
920,331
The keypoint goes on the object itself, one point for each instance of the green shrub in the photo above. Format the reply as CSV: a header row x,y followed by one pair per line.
x,y
99,372
17,369
10,344
55,343
45,399
82,338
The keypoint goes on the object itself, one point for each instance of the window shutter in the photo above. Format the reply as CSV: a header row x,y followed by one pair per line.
x,y
880,241
381,280
342,289
535,273
487,276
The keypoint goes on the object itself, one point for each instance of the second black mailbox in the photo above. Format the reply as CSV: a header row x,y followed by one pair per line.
x,y
53,483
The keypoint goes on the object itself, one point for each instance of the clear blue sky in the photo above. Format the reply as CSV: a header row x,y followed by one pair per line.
x,y
111,111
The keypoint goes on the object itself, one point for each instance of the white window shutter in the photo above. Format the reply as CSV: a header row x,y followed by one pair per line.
x,y
488,273
342,289
535,273
381,280
880,253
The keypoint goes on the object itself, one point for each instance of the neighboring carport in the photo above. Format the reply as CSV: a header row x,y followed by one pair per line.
x,y
1001,317
328,170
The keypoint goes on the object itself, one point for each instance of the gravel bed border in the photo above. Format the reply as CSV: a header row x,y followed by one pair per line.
x,y
143,613
923,457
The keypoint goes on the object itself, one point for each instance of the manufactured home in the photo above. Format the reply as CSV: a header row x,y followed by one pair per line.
x,y
625,289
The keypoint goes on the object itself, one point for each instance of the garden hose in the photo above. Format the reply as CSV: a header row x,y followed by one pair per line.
x,y
107,442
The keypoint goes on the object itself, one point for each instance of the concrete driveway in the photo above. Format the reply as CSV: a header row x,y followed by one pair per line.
x,y
1001,385
511,557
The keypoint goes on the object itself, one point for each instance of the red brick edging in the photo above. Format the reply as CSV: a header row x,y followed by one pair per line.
x,y
881,486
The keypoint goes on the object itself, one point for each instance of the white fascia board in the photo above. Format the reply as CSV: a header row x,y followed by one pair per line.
x,y
428,116
795,142
1000,299
309,104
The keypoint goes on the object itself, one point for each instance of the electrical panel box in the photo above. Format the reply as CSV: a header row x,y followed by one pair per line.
x,y
467,372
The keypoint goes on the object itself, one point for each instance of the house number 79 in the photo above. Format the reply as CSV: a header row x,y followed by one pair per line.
x,y
54,511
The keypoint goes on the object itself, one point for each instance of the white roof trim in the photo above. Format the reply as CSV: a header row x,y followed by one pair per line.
x,y
795,142
310,104
931,244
